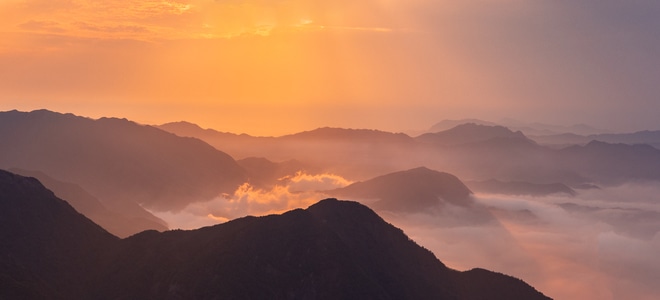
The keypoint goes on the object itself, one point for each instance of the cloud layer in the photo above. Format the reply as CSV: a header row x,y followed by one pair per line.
x,y
602,244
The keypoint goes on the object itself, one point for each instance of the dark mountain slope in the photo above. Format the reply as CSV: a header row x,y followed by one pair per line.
x,y
332,250
117,160
85,203
412,190
47,249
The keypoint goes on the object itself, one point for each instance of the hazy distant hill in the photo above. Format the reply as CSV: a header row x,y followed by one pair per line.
x,y
520,188
470,133
121,225
449,124
238,146
350,135
354,153
641,137
412,190
613,163
332,250
116,160
472,151
264,173
515,125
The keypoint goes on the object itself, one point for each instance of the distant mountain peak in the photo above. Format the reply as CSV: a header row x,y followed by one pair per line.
x,y
470,133
410,190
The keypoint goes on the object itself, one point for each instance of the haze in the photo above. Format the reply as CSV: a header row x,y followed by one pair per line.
x,y
564,198
279,67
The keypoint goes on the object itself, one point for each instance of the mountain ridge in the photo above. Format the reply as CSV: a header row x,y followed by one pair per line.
x,y
333,249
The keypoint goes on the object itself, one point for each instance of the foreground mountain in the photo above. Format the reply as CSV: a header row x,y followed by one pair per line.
x,y
47,249
121,225
332,250
118,161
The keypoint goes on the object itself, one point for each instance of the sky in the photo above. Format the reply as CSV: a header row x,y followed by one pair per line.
x,y
283,66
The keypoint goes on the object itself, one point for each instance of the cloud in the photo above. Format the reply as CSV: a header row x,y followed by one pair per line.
x,y
603,246
318,182
298,191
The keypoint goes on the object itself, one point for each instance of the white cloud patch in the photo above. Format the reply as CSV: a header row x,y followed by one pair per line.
x,y
299,191
318,182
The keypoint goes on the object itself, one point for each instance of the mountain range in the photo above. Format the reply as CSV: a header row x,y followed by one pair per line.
x,y
331,250
472,151
117,160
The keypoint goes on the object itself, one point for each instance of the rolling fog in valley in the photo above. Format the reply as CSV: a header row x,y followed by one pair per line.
x,y
200,149
580,221
599,244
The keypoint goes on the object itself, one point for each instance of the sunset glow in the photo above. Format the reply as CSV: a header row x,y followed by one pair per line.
x,y
278,67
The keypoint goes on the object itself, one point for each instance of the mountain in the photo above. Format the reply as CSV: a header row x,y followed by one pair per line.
x,y
47,249
527,128
449,124
641,137
350,135
413,190
238,146
120,162
613,163
520,188
118,224
470,133
331,250
567,139
264,173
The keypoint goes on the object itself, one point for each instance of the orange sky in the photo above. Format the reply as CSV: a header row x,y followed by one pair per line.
x,y
281,66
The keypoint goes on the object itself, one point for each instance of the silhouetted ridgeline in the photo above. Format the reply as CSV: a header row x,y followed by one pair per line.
x,y
121,225
332,250
412,190
120,162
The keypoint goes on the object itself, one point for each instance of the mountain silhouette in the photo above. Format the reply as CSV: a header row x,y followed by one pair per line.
x,y
515,125
520,188
118,224
118,161
470,133
640,137
412,190
613,163
47,249
449,124
331,250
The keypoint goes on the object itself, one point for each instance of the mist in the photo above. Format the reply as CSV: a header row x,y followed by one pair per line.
x,y
297,191
601,244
